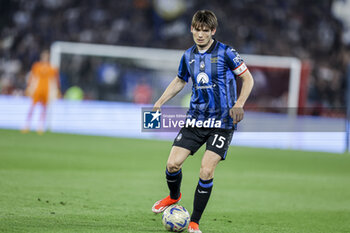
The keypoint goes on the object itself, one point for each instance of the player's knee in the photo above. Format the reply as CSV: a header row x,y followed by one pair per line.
x,y
173,167
206,173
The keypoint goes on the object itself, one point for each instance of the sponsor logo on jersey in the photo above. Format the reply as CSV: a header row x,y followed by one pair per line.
x,y
202,78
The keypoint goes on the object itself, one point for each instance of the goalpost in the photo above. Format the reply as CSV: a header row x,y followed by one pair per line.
x,y
168,59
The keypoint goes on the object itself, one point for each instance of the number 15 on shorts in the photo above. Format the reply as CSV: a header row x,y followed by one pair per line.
x,y
219,141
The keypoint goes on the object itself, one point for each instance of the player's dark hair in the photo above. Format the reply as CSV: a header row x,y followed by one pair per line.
x,y
204,18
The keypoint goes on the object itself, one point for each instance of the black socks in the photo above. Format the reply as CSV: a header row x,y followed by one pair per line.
x,y
201,195
174,183
201,198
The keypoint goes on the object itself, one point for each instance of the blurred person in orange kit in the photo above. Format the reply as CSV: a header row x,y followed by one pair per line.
x,y
142,92
43,87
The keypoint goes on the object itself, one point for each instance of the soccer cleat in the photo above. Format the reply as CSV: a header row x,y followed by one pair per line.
x,y
194,228
161,205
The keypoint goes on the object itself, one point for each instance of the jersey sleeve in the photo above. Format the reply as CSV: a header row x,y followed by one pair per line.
x,y
235,62
183,71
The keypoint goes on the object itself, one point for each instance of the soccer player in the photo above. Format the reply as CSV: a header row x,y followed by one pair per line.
x,y
43,86
213,68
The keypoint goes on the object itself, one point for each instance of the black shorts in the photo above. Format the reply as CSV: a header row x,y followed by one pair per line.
x,y
218,140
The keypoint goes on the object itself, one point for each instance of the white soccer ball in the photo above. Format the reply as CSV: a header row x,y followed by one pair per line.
x,y
176,218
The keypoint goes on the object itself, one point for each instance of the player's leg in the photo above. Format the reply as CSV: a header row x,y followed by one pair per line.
x,y
29,116
187,142
177,157
41,126
204,186
173,176
217,146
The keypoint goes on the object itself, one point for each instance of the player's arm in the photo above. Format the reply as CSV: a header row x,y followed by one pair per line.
x,y
237,112
174,87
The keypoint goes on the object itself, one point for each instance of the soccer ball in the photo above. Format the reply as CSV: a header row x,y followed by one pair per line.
x,y
176,218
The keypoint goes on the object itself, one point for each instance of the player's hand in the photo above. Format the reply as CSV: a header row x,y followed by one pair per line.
x,y
156,107
236,113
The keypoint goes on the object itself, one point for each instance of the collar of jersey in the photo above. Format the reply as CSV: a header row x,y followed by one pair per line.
x,y
212,46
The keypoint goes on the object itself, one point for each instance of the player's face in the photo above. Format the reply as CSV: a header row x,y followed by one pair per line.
x,y
45,56
202,36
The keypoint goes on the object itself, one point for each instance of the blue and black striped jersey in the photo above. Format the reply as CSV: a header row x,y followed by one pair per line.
x,y
213,75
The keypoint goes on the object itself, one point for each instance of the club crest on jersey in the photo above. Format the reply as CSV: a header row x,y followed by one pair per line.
x,y
202,78
202,66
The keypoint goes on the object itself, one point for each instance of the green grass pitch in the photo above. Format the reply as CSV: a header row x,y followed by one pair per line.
x,y
73,183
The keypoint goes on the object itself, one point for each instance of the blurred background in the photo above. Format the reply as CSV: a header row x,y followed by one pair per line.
x,y
317,32
115,58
